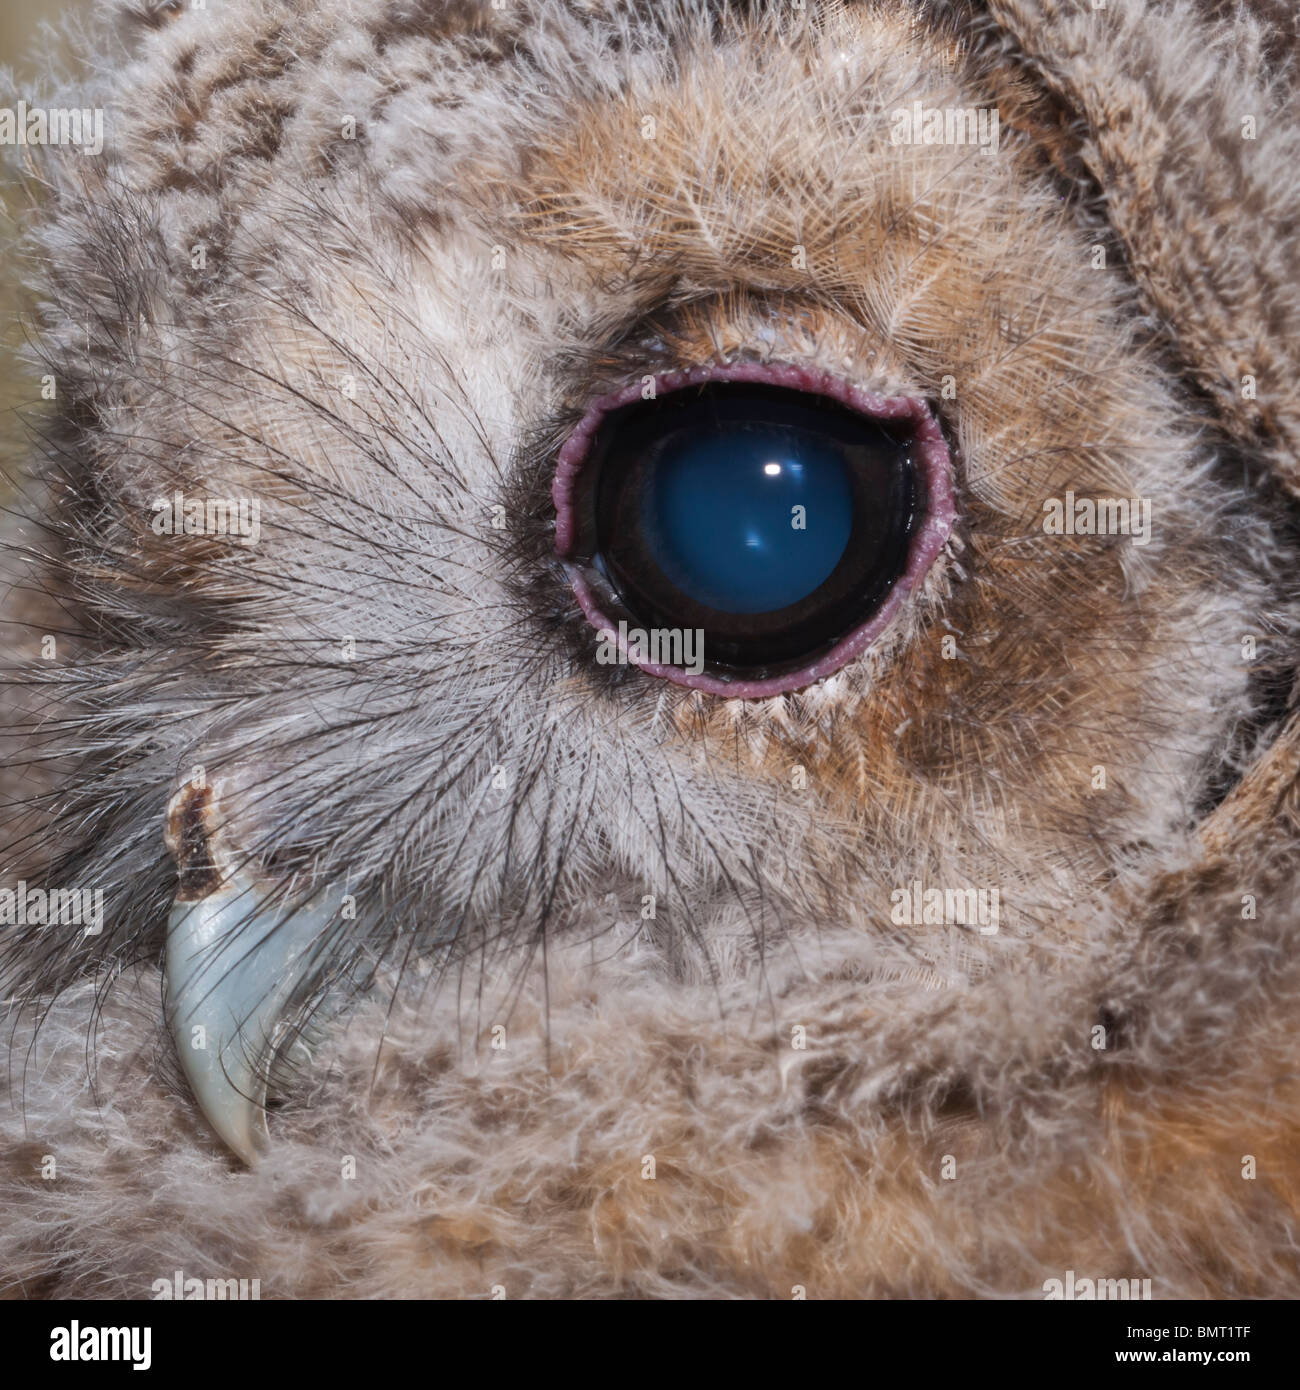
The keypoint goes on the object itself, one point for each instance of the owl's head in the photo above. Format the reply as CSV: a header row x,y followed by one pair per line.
x,y
704,493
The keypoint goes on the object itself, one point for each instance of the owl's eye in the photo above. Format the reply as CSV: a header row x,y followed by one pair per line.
x,y
772,516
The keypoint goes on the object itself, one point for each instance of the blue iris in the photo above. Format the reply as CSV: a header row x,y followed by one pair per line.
x,y
721,518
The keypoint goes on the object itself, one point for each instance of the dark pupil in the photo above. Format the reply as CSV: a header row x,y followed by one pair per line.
x,y
774,520
746,517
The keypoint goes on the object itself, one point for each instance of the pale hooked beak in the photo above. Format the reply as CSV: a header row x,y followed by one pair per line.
x,y
235,957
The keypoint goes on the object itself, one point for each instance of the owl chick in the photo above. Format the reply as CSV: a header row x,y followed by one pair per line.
x,y
655,651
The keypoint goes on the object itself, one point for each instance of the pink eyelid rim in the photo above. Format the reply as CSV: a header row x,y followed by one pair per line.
x,y
934,465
